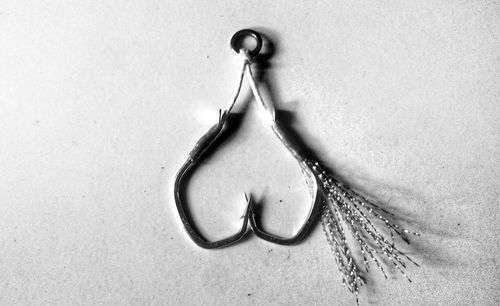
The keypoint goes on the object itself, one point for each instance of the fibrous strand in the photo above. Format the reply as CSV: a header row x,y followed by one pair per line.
x,y
347,211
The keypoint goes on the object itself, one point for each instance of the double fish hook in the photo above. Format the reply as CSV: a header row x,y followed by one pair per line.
x,y
209,139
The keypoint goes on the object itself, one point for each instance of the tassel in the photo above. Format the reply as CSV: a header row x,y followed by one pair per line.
x,y
345,212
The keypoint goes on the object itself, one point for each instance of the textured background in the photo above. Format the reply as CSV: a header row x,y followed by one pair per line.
x,y
100,102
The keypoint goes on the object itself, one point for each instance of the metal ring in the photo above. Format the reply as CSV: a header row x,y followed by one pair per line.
x,y
240,35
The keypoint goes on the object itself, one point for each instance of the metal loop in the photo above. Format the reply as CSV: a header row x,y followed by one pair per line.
x,y
238,37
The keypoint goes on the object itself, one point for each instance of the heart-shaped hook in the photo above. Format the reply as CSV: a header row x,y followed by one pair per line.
x,y
209,139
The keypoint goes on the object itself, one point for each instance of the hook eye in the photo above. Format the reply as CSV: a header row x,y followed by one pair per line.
x,y
240,39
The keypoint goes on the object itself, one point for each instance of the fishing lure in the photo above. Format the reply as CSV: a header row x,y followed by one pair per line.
x,y
342,211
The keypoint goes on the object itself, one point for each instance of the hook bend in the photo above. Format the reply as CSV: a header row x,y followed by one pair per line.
x,y
205,142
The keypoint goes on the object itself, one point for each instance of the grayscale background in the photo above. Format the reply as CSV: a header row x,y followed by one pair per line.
x,y
100,102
